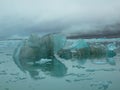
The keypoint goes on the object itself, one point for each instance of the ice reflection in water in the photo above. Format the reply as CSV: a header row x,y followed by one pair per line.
x,y
52,67
29,55
59,73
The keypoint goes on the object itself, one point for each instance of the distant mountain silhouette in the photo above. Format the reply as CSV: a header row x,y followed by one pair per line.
x,y
110,31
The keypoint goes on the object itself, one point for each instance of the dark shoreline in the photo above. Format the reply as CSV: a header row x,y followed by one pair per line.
x,y
94,36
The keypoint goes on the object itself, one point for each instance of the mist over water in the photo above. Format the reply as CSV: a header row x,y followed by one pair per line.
x,y
78,17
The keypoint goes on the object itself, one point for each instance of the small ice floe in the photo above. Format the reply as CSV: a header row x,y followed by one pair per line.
x,y
100,62
43,61
112,46
39,78
15,74
22,78
78,66
19,78
82,79
90,70
104,69
102,85
111,61
77,75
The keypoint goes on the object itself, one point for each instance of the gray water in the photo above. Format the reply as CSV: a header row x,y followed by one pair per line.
x,y
68,75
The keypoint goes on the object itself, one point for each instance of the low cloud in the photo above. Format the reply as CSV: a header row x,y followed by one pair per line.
x,y
83,17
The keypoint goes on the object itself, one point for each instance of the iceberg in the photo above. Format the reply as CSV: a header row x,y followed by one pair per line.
x,y
37,48
59,42
78,45
86,51
34,41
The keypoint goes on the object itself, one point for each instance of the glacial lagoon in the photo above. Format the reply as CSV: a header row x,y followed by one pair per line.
x,y
65,74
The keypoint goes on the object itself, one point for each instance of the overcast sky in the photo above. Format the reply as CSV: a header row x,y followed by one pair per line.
x,y
23,17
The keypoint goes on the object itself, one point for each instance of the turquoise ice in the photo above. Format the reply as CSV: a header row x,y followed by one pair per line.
x,y
36,48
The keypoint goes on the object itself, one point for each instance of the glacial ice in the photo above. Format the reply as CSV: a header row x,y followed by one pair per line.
x,y
36,48
101,85
59,42
112,46
85,51
78,45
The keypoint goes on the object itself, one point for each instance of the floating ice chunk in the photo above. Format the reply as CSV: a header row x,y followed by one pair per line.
x,y
76,49
46,46
99,62
34,41
111,61
112,46
102,85
64,53
36,48
78,44
16,55
43,61
50,44
58,68
84,51
110,53
59,41
90,70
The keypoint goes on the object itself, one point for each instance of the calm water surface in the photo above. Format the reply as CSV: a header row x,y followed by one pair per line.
x,y
65,75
